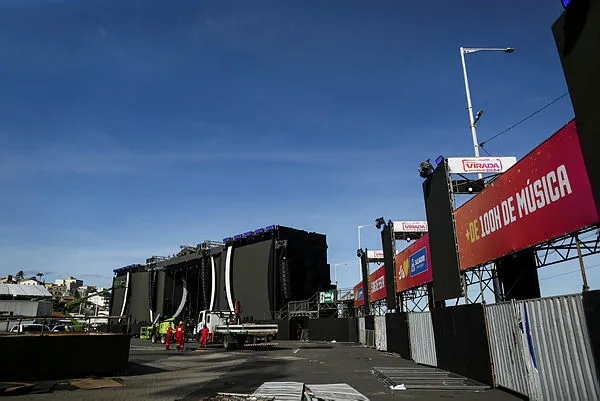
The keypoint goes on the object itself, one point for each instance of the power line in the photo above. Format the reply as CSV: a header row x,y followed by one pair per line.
x,y
569,272
524,119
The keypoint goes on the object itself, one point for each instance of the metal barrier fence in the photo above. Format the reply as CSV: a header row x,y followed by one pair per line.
x,y
362,335
51,324
380,333
511,368
370,338
541,348
422,340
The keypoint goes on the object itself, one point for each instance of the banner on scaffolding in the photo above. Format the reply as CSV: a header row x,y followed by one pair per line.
x,y
359,295
545,195
377,288
413,265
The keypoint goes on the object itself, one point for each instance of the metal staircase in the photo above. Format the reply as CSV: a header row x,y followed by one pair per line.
x,y
312,309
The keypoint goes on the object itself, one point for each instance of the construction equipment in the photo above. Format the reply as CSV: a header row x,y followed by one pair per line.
x,y
76,324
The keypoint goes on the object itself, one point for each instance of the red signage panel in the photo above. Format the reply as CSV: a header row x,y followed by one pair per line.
x,y
545,195
377,288
359,295
413,265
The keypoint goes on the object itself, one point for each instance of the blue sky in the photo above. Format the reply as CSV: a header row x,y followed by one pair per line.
x,y
129,128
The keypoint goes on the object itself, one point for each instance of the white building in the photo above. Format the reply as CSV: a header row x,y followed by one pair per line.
x,y
24,300
71,284
101,300
30,281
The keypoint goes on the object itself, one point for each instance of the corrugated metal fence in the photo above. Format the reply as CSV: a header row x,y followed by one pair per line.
x,y
422,340
362,335
508,352
541,348
380,333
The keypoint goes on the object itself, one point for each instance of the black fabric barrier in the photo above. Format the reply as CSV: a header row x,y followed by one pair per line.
x,y
63,356
398,339
341,330
369,322
591,308
461,341
283,329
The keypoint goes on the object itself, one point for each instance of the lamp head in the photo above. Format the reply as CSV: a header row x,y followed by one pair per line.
x,y
509,50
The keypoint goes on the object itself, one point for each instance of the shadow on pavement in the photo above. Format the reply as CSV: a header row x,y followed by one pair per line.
x,y
243,379
138,369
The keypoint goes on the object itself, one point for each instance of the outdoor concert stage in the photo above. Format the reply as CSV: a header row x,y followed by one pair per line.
x,y
263,269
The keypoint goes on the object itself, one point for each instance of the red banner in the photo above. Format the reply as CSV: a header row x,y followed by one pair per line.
x,y
377,289
545,195
413,265
359,296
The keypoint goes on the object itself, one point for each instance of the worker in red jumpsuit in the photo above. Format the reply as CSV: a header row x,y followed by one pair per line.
x,y
204,336
168,339
237,311
179,336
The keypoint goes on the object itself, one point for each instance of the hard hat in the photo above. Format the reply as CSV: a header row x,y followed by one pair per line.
x,y
180,322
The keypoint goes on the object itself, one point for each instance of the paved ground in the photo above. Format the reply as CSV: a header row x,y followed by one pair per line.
x,y
155,374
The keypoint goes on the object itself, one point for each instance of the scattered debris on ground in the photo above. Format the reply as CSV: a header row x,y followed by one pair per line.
x,y
96,383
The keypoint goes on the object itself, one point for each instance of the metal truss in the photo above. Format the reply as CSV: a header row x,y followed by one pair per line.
x,y
564,248
476,281
416,299
378,307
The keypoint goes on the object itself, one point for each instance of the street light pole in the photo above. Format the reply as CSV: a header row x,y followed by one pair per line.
x,y
359,228
463,51
359,263
335,272
469,105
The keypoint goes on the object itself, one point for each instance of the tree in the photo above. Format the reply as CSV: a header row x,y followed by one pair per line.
x,y
39,276
20,275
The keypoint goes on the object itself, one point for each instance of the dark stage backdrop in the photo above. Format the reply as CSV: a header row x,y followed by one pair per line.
x,y
117,296
139,305
252,278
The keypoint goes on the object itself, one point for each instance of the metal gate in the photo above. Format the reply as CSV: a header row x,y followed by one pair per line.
x,y
422,340
380,333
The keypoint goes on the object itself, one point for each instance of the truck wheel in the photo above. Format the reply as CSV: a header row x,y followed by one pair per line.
x,y
154,339
163,339
228,343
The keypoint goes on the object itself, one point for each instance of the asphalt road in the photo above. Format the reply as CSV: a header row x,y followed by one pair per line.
x,y
157,374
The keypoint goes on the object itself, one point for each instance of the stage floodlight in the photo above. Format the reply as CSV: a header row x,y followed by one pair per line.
x,y
270,228
236,237
425,169
259,231
439,160
228,239
360,253
248,234
379,222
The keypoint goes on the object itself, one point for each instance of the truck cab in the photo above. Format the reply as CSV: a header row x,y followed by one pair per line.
x,y
212,319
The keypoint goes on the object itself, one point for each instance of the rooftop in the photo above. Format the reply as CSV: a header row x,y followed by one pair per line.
x,y
19,290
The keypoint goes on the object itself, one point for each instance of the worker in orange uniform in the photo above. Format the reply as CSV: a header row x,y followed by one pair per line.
x,y
179,336
237,310
168,339
204,336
